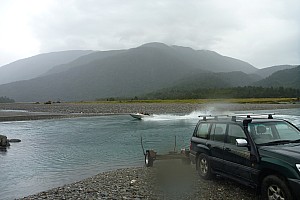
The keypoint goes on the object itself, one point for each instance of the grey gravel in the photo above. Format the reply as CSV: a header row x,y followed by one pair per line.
x,y
171,181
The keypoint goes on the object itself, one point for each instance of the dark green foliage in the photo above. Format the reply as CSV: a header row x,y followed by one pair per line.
x,y
6,100
235,92
265,72
110,99
282,78
215,80
48,102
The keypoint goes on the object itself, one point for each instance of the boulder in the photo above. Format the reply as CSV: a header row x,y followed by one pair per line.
x,y
4,141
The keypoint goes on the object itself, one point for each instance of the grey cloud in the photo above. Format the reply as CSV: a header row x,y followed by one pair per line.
x,y
262,32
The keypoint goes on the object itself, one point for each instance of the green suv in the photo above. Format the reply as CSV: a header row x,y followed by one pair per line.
x,y
257,151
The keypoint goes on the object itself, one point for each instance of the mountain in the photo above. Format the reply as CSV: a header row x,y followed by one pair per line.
x,y
35,66
207,80
283,78
216,80
124,73
212,61
132,72
284,83
265,72
204,59
82,61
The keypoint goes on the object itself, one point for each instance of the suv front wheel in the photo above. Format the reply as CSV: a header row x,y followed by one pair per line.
x,y
274,187
203,166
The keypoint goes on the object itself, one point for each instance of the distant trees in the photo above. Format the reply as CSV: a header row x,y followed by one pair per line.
x,y
110,99
6,100
235,92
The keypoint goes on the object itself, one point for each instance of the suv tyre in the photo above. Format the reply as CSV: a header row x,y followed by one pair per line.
x,y
274,187
148,159
203,166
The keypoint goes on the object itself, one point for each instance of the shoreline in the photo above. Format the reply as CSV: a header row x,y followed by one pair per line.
x,y
162,181
30,111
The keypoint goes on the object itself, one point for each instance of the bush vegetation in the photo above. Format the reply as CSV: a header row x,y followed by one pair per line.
x,y
225,93
6,100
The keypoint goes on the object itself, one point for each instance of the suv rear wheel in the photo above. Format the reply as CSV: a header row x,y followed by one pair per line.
x,y
148,159
203,166
274,187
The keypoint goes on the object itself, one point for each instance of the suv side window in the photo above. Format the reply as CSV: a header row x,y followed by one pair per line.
x,y
235,132
218,132
203,130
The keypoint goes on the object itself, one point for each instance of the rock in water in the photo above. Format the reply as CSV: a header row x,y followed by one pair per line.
x,y
3,141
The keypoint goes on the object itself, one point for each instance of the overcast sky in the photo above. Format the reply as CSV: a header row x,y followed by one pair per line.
x,y
261,32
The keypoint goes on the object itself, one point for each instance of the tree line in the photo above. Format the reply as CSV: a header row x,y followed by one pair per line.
x,y
6,100
235,92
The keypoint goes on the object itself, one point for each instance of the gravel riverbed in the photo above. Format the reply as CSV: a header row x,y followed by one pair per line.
x,y
160,182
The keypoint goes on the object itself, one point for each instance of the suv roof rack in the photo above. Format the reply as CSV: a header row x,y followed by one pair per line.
x,y
255,116
241,116
216,117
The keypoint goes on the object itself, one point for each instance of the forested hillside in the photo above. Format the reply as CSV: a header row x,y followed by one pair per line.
x,y
234,92
283,78
126,73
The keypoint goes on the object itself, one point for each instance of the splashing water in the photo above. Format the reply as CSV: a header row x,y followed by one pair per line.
x,y
191,116
295,119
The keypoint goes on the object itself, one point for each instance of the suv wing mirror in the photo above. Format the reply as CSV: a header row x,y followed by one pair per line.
x,y
241,142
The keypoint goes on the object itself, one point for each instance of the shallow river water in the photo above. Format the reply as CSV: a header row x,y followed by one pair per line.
x,y
56,152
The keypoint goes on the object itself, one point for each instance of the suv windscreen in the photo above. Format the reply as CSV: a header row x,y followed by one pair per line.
x,y
268,132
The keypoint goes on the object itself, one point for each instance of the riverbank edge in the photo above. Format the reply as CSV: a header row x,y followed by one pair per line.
x,y
158,182
29,111
50,116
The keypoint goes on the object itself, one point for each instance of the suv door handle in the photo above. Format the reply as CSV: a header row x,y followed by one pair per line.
x,y
227,149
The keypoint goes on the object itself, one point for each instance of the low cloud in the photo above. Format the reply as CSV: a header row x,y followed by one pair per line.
x,y
263,33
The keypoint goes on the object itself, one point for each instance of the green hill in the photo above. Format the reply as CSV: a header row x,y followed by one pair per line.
x,y
289,78
265,72
127,73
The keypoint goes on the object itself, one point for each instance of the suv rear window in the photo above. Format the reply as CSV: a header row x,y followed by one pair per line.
x,y
202,131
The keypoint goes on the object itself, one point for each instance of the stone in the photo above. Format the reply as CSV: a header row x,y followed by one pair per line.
x,y
3,141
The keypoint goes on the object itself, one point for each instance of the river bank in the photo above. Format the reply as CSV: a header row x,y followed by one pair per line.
x,y
30,111
159,182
